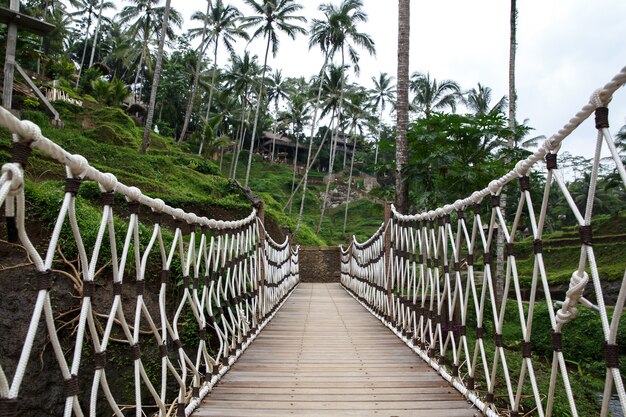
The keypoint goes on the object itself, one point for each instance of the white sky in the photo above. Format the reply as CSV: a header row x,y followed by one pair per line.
x,y
566,49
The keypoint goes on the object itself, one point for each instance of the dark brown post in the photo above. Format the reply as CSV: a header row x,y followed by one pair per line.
x,y
261,216
388,272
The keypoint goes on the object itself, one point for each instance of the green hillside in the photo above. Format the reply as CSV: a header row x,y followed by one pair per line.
x,y
109,139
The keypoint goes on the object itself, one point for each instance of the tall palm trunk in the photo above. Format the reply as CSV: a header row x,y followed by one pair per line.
x,y
45,15
331,166
212,89
402,112
258,109
82,59
155,80
380,123
334,151
244,117
308,159
95,35
275,130
139,68
310,164
196,77
345,215
295,168
510,144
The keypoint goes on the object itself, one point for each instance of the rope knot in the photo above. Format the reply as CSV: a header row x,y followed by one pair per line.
x,y
521,168
108,183
29,132
16,176
550,147
596,99
494,187
134,194
476,197
569,310
77,166
159,205
179,214
191,218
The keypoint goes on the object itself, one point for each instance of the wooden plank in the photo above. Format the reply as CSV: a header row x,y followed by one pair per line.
x,y
25,22
325,355
37,91
253,412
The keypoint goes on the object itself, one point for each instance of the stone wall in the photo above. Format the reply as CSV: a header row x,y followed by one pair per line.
x,y
320,264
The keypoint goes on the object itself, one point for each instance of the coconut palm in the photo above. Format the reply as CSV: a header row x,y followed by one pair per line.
x,y
103,5
155,79
382,94
402,106
221,25
144,20
296,115
87,10
431,95
478,101
358,118
270,18
339,30
276,90
242,79
199,63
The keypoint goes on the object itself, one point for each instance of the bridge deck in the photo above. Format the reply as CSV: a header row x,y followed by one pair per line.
x,y
325,355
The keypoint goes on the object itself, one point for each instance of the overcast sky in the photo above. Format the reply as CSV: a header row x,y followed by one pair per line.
x,y
566,49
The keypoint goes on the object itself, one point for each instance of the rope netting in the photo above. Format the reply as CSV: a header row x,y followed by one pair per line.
x,y
231,278
419,274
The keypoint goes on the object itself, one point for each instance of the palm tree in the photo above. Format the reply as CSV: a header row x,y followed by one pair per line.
x,y
199,62
271,17
431,95
145,21
222,22
242,78
155,80
276,91
333,90
511,141
402,107
103,5
382,93
339,31
296,115
358,118
87,9
478,101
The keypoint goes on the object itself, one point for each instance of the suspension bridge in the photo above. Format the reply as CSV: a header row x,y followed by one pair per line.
x,y
213,320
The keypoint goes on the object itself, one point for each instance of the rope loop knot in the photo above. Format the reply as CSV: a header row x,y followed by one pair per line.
x,y
15,175
569,310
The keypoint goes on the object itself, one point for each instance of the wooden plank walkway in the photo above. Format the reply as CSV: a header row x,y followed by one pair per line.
x,y
325,355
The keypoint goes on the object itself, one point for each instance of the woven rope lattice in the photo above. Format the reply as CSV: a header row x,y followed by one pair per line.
x,y
231,280
420,275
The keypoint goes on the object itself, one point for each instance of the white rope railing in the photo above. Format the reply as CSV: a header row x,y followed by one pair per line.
x,y
419,275
234,278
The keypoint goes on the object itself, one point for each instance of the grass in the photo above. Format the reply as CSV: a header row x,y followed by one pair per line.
x,y
275,180
110,140
561,251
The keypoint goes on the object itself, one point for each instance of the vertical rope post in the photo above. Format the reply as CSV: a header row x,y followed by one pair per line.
x,y
261,259
388,272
